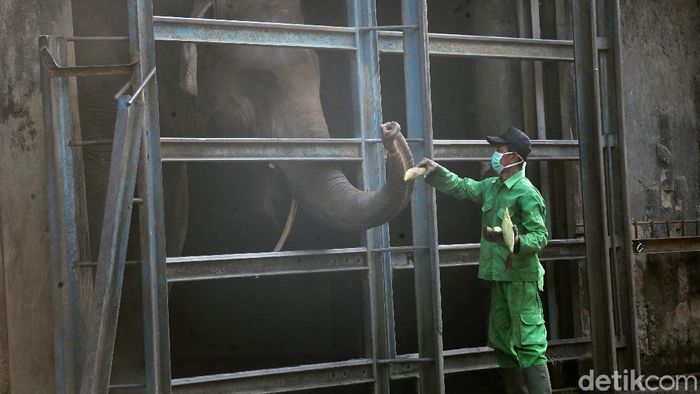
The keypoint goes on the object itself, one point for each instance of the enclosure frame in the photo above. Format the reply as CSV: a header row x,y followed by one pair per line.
x,y
600,150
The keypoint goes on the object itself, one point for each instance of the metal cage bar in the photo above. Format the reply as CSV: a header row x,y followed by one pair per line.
x,y
338,149
593,187
368,117
423,210
243,265
151,211
102,332
63,217
343,38
313,376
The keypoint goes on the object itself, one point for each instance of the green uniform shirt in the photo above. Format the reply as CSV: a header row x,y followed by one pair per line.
x,y
527,211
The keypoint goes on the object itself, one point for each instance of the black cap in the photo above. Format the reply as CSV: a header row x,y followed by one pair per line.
x,y
515,139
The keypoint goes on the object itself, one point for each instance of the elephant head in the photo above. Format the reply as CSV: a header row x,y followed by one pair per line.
x,y
280,97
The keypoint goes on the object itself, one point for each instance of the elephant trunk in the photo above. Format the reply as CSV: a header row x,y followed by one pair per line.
x,y
325,193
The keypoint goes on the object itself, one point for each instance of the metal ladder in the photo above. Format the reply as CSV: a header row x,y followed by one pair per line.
x,y
136,166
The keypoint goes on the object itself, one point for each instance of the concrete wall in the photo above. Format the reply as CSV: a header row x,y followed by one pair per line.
x,y
661,41
26,347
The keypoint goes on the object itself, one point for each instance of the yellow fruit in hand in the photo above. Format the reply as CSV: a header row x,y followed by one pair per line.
x,y
414,173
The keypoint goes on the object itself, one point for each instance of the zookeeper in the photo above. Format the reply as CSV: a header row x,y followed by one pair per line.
x,y
516,320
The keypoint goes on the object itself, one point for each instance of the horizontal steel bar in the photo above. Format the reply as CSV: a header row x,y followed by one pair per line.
x,y
261,264
303,377
96,38
387,27
480,358
168,28
407,360
265,149
464,255
82,71
479,150
343,38
484,46
360,371
336,149
192,268
666,245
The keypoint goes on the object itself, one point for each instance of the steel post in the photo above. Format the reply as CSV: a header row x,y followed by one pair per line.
x,y
112,255
151,212
593,187
424,217
627,259
63,217
368,115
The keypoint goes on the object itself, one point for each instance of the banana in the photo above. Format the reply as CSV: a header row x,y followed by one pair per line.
x,y
414,173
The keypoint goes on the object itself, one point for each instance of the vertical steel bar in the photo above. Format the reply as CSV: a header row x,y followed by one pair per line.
x,y
113,245
63,211
529,110
151,211
368,115
608,125
631,329
423,210
571,169
552,306
592,179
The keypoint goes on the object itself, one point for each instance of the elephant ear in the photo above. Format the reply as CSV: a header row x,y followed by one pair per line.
x,y
188,61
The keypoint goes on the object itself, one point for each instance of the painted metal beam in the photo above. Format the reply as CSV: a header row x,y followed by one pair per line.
x,y
338,149
343,38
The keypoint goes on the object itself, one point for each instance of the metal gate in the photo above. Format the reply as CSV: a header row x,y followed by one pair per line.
x,y
595,52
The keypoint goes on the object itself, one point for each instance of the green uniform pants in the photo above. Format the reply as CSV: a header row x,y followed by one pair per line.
x,y
516,325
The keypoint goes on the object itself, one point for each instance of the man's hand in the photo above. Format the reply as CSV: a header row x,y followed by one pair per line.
x,y
493,236
497,236
429,165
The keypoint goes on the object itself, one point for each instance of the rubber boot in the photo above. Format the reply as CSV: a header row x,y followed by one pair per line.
x,y
537,377
514,380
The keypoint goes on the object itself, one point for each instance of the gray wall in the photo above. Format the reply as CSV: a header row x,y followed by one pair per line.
x,y
26,350
661,48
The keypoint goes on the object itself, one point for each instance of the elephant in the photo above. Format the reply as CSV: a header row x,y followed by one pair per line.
x,y
265,97
228,91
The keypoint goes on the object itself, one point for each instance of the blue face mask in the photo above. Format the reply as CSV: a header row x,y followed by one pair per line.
x,y
496,162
